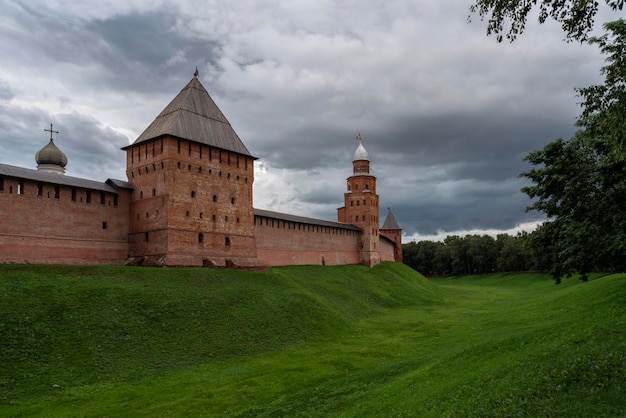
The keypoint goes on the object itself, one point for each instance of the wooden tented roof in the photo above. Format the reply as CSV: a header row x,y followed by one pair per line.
x,y
194,116
390,221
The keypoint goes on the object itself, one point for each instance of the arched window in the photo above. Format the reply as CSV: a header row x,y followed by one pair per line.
x,y
227,241
215,198
200,238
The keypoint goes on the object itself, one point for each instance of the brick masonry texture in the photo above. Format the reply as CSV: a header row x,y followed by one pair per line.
x,y
282,242
49,223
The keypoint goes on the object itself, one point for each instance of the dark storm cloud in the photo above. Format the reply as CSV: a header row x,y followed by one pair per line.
x,y
466,137
142,47
324,193
488,145
308,147
125,52
93,151
470,209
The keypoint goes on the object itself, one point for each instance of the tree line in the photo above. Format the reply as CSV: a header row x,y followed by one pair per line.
x,y
472,254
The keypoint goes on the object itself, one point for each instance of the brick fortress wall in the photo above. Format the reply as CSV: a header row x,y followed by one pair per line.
x,y
56,224
281,242
394,235
387,249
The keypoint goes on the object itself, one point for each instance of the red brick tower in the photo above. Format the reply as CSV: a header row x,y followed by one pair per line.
x,y
192,178
392,230
361,206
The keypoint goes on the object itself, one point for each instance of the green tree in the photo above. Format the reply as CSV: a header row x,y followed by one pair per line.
x,y
507,19
460,263
420,256
472,254
604,105
443,260
512,255
582,189
426,256
481,251
409,255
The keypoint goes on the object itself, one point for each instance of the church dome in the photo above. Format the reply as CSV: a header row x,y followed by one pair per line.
x,y
360,153
51,155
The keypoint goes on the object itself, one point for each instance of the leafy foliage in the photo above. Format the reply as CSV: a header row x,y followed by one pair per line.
x,y
604,105
507,18
581,188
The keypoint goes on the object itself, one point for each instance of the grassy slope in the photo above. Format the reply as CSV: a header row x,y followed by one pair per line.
x,y
308,340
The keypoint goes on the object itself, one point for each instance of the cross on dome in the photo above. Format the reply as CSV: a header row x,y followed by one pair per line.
x,y
51,131
50,158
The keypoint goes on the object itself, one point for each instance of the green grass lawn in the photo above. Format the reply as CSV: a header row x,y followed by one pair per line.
x,y
308,341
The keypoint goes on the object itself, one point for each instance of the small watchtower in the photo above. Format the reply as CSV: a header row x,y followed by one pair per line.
x,y
392,230
361,206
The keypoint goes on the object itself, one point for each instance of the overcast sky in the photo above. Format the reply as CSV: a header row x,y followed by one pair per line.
x,y
446,113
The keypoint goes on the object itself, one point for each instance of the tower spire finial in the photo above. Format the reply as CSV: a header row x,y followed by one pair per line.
x,y
51,131
196,73
358,137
